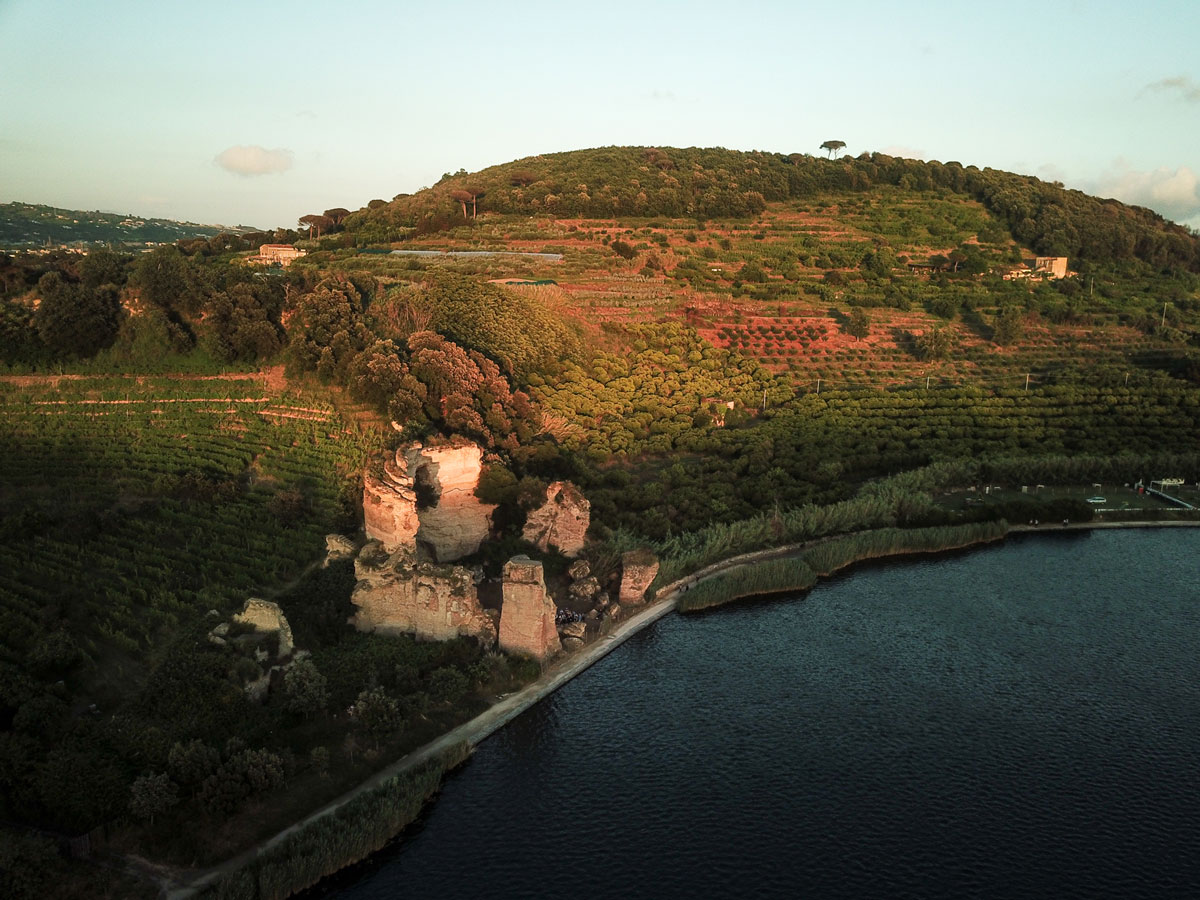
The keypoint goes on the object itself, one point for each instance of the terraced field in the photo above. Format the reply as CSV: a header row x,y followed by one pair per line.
x,y
130,507
780,288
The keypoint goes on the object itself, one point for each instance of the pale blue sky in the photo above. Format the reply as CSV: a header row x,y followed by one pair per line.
x,y
125,106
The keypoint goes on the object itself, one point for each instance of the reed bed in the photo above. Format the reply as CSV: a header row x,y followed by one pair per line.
x,y
799,573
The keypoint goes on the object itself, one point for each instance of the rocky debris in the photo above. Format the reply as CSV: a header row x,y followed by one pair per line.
x,y
561,521
426,495
579,569
400,594
265,616
527,614
573,630
219,634
612,613
337,548
584,591
638,568
571,644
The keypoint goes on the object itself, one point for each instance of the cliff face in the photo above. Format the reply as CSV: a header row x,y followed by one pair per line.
x,y
426,496
396,593
390,510
456,523
561,521
527,618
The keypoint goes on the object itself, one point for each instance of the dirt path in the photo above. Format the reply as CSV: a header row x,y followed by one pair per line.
x,y
271,377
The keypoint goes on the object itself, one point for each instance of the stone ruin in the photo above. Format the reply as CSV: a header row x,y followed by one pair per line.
x,y
527,619
425,497
265,619
397,592
561,521
420,515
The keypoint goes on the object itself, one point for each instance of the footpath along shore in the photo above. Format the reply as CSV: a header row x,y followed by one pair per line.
x,y
177,884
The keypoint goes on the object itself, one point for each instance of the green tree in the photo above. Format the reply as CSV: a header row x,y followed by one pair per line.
x,y
102,267
189,764
306,689
376,713
245,322
150,795
1009,325
448,683
859,324
165,278
328,331
74,320
832,148
934,343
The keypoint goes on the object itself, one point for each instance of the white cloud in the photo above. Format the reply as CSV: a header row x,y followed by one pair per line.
x,y
902,151
1188,89
1051,172
1174,194
254,160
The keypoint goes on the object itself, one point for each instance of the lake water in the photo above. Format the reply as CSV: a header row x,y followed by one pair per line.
x,y
1019,721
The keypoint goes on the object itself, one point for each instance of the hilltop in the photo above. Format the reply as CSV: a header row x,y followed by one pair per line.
x,y
707,184
29,225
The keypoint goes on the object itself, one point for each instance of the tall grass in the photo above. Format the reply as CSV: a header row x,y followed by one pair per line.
x,y
879,504
351,833
799,573
774,576
829,556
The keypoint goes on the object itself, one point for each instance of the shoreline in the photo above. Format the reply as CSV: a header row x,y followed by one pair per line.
x,y
472,732
179,885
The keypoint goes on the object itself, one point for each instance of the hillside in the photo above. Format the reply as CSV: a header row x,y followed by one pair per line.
x,y
27,225
714,183
871,271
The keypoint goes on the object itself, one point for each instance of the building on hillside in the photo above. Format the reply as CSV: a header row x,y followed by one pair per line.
x,y
1040,267
281,254
1053,266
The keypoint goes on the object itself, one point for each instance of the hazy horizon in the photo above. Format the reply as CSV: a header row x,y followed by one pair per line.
x,y
256,116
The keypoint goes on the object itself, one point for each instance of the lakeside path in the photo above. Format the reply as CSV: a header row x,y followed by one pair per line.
x,y
179,884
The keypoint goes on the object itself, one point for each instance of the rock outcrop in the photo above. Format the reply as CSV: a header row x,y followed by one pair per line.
x,y
265,616
400,594
638,568
390,509
573,630
456,522
561,521
425,498
527,616
337,548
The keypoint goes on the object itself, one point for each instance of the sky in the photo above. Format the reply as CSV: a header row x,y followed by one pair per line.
x,y
259,113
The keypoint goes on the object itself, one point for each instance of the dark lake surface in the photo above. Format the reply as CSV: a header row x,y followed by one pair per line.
x,y
1019,721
